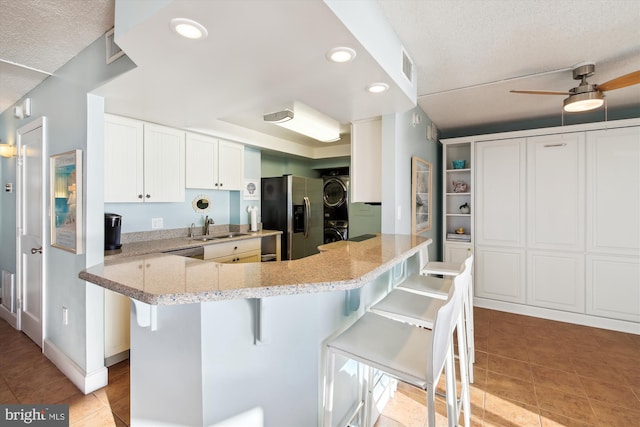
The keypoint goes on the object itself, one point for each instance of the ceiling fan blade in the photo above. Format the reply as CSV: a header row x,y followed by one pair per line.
x,y
630,79
540,92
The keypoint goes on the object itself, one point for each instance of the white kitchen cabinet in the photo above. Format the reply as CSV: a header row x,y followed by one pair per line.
x,y
555,192
556,280
213,163
123,159
163,164
366,161
613,191
500,274
144,162
500,193
613,287
246,250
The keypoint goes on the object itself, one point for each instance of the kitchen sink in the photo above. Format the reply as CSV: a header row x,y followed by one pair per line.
x,y
219,236
230,235
204,238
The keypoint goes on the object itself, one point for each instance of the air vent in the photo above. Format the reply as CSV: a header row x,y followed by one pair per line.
x,y
407,66
113,50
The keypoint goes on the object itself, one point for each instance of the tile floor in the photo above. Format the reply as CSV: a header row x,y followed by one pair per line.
x,y
536,372
27,376
529,372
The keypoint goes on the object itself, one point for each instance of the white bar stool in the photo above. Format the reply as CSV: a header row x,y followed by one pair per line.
x,y
421,311
415,355
446,269
436,287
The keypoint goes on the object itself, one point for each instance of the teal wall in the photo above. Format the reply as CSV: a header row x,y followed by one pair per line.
x,y
401,140
63,99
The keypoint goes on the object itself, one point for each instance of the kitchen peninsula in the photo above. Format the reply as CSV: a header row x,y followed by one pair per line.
x,y
215,342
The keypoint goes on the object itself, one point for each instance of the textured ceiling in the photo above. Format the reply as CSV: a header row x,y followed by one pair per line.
x,y
44,35
468,53
464,49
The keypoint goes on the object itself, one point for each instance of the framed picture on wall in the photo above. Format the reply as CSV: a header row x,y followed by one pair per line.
x,y
66,201
421,206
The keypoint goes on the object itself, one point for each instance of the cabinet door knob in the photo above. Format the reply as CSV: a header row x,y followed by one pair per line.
x,y
220,184
148,196
139,196
216,184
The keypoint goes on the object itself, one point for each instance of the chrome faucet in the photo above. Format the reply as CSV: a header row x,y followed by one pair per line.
x,y
207,221
192,230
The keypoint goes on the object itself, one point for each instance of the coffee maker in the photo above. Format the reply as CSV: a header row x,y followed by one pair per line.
x,y
112,226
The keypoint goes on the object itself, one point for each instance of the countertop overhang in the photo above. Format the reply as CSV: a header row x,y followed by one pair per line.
x,y
164,279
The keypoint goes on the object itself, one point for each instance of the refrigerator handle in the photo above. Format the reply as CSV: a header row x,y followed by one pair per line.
x,y
307,222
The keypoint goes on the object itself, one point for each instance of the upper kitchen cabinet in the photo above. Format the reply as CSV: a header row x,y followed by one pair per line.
x,y
214,163
144,162
366,161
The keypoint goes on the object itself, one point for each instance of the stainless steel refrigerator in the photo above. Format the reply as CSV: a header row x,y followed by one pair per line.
x,y
293,205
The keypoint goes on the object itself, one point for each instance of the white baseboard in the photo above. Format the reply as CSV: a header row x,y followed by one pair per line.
x,y
560,316
86,382
8,316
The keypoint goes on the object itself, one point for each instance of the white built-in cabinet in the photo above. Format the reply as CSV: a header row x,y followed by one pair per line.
x,y
366,161
213,163
556,220
144,162
613,223
500,191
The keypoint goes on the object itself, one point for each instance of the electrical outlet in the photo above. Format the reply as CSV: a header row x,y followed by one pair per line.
x,y
65,316
157,223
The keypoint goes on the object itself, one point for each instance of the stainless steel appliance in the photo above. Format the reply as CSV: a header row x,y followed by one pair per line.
x,y
112,226
336,207
293,205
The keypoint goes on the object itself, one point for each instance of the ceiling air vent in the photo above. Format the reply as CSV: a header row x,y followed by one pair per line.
x,y
113,50
407,66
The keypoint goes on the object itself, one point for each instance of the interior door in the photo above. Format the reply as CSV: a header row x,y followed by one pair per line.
x,y
30,214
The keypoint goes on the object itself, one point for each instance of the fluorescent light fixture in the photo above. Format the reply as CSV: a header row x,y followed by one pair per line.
x,y
7,150
378,87
304,120
341,54
585,101
188,28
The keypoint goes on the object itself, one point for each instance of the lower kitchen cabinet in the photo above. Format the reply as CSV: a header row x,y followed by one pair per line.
x,y
116,325
500,274
247,250
555,280
613,286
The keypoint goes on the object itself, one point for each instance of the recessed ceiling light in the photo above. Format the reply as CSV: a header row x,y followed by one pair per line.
x,y
378,87
188,28
341,54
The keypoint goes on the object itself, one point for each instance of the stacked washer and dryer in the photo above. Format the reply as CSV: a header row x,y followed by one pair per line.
x,y
336,205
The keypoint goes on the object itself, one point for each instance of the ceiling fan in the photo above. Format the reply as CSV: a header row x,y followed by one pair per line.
x,y
586,96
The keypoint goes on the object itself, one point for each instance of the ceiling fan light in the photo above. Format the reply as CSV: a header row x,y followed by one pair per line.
x,y
581,102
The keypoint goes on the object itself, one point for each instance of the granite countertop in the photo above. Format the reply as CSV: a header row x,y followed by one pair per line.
x,y
165,245
164,279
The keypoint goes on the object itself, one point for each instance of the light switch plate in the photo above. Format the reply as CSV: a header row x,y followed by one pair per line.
x,y
157,223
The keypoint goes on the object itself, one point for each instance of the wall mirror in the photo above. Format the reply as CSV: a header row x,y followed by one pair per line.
x,y
201,204
421,206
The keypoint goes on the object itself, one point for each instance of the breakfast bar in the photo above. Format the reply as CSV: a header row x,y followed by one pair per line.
x,y
214,343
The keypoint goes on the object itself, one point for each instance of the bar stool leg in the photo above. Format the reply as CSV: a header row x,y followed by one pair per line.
x,y
464,369
450,380
330,374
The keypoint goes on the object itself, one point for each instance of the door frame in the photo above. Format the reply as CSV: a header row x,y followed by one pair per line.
x,y
39,122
